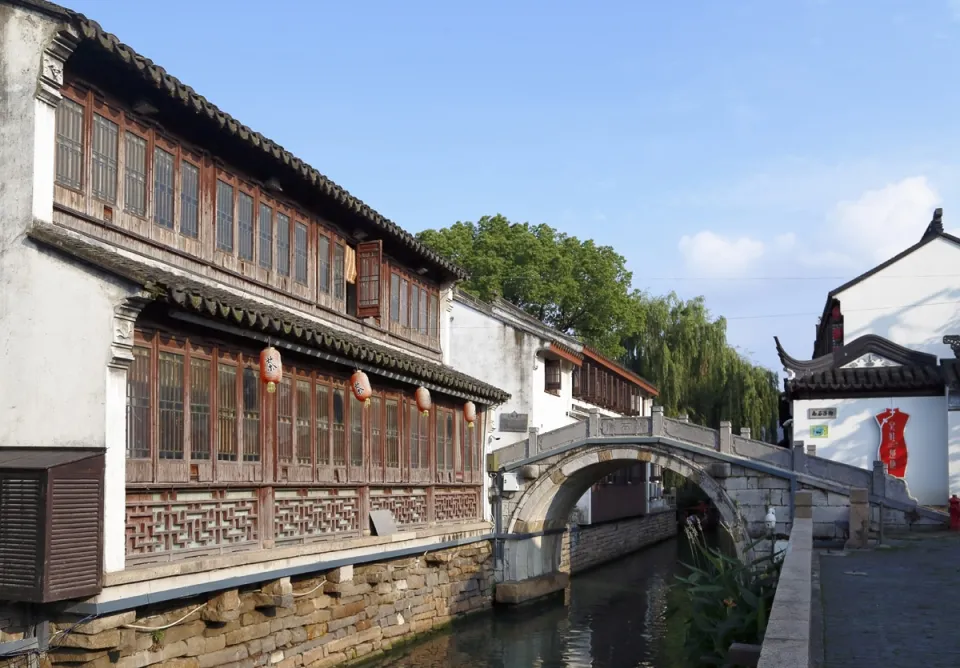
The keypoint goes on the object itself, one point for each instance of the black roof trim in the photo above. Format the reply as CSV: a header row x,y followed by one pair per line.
x,y
925,380
869,343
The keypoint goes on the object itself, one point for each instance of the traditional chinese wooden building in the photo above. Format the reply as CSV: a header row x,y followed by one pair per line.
x,y
151,247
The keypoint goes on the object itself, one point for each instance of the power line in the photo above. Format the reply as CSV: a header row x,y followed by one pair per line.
x,y
807,314
898,277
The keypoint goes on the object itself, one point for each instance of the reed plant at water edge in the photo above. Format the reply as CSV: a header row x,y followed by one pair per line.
x,y
723,599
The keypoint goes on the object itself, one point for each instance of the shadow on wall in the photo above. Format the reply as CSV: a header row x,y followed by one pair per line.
x,y
911,328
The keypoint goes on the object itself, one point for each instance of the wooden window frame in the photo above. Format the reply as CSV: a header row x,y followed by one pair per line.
x,y
229,179
321,292
132,126
369,279
286,279
552,376
302,221
247,264
69,95
401,303
263,201
195,161
161,143
113,113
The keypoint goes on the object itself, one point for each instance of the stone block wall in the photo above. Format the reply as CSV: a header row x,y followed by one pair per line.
x,y
324,619
588,546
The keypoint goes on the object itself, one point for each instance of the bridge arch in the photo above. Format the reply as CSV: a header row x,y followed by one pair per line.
x,y
546,503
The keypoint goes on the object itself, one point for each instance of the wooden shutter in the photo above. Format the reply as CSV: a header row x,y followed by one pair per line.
x,y
369,257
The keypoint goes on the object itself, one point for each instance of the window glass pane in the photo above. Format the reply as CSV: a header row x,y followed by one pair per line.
x,y
300,253
189,200
170,402
304,444
323,425
135,174
414,425
199,408
449,441
69,143
415,308
104,158
376,432
226,412
138,405
163,188
423,311
251,414
404,309
266,237
392,435
434,316
424,441
339,287
224,216
285,420
394,297
356,431
339,437
283,244
441,450
245,223
323,264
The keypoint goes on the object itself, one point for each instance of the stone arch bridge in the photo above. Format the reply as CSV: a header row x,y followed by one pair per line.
x,y
537,482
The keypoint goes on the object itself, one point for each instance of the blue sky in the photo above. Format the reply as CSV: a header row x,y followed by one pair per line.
x,y
759,153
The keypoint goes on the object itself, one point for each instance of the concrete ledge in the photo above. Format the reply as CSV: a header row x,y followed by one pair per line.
x,y
786,643
512,593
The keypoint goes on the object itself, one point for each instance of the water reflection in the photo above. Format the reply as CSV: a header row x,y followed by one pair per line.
x,y
616,617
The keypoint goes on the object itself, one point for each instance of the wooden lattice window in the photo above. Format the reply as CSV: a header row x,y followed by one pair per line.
x,y
552,375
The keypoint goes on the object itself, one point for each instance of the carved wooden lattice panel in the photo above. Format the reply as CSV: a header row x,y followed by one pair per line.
x,y
409,506
456,505
304,515
174,522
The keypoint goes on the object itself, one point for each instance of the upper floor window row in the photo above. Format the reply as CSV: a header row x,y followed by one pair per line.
x,y
165,190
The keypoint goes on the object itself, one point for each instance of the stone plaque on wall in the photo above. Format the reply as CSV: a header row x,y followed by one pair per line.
x,y
514,422
822,413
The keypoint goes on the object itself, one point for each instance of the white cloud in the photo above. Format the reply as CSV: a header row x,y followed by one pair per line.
x,y
851,235
709,254
880,223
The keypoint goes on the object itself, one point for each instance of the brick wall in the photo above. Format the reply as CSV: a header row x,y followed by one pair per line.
x,y
588,546
320,620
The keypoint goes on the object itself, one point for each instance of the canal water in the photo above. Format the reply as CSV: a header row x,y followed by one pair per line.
x,y
615,617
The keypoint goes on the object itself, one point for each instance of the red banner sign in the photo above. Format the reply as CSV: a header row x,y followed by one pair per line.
x,y
893,445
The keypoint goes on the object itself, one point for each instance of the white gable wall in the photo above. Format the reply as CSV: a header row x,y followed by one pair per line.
x,y
854,438
914,302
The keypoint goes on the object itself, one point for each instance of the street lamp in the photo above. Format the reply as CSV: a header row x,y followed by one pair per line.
x,y
770,521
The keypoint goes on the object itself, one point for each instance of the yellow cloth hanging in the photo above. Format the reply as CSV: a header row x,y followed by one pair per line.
x,y
350,265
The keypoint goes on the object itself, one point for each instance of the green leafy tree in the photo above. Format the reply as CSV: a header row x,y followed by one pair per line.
x,y
584,290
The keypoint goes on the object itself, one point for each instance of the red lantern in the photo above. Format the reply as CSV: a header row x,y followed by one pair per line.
x,y
470,413
271,369
360,385
423,400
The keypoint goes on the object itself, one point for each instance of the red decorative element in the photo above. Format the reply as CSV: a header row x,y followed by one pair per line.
x,y
360,385
271,368
954,513
837,332
423,400
470,413
835,312
893,446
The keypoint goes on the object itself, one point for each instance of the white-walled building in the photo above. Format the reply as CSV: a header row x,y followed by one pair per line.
x,y
553,380
882,384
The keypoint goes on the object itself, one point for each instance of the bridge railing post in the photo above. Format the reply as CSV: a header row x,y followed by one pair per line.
x,y
726,437
656,421
745,432
684,418
533,442
878,486
593,423
799,461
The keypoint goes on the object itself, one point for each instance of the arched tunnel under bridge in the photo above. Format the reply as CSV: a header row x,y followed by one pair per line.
x,y
536,518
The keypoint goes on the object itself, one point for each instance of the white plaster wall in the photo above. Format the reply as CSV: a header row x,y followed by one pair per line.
x,y
854,438
953,450
56,315
913,302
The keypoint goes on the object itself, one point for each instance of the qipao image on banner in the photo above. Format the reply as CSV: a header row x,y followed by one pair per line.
x,y
893,445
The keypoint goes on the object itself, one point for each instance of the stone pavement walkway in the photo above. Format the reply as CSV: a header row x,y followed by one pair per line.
x,y
893,607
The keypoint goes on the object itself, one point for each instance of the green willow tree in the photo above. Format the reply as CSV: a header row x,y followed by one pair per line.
x,y
584,290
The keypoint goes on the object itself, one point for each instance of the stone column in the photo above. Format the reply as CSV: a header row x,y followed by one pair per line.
x,y
593,424
533,441
656,421
811,450
799,461
745,432
684,418
879,483
726,437
859,519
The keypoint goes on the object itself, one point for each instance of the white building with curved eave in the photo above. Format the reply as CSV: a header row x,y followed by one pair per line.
x,y
883,382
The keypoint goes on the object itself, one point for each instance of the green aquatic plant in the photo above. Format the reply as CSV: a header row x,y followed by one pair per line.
x,y
722,599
